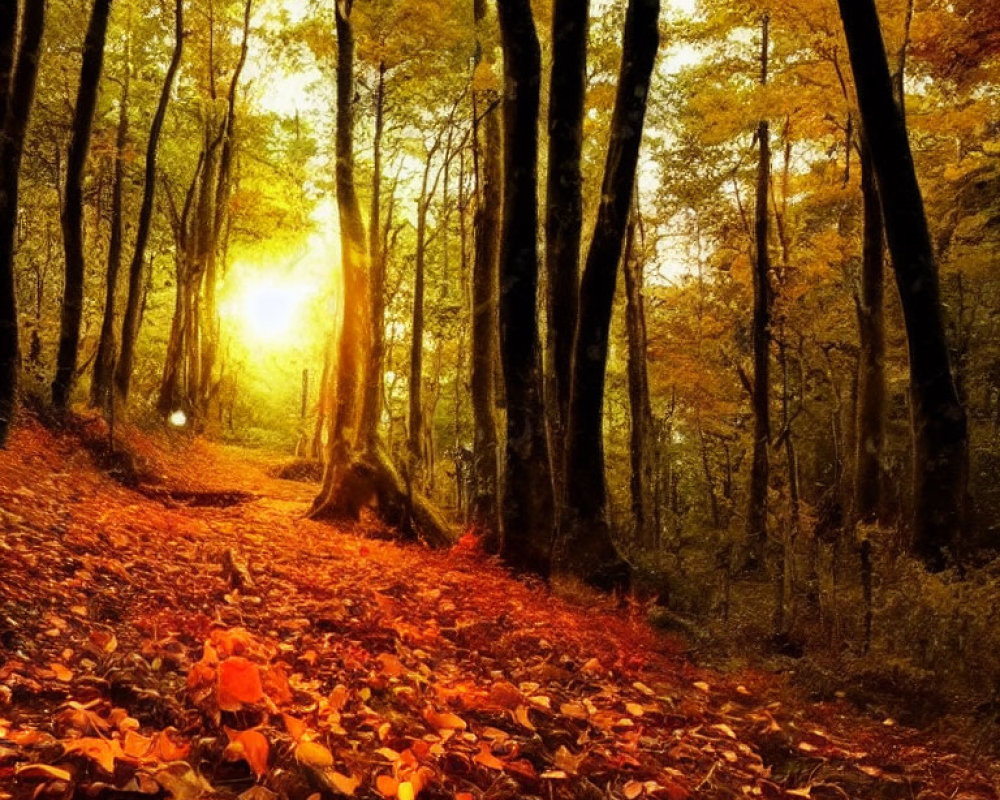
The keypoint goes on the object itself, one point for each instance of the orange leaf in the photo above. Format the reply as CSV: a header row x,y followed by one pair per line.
x,y
296,728
444,720
386,786
239,684
276,684
486,758
345,784
165,749
61,672
249,746
391,665
136,745
101,751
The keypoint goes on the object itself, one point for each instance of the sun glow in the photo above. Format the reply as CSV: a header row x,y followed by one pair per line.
x,y
267,311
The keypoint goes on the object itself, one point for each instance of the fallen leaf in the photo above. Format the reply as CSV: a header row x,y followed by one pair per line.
x,y
632,790
41,771
62,672
101,751
239,684
250,746
313,754
345,784
386,786
486,757
444,720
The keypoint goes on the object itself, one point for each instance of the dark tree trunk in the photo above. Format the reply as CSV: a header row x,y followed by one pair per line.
x,y
564,213
586,548
641,414
72,215
869,474
756,519
484,510
133,302
17,91
527,507
104,362
940,436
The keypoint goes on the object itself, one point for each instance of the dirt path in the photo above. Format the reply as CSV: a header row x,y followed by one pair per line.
x,y
133,664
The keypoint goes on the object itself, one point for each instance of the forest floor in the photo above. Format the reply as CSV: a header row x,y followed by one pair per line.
x,y
195,636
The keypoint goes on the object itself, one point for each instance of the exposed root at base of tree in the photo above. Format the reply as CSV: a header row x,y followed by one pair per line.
x,y
371,478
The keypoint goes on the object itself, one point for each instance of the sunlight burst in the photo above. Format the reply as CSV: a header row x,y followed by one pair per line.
x,y
267,311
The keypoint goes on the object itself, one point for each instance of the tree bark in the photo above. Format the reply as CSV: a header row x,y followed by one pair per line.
x,y
17,77
484,510
756,519
640,410
586,548
564,213
72,215
104,361
939,426
869,474
527,507
133,302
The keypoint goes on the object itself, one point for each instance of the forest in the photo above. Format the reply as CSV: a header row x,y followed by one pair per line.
x,y
499,398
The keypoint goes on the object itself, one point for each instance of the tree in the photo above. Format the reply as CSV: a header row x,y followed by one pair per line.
x,y
130,320
486,144
527,507
18,72
564,211
586,548
938,420
756,519
101,395
72,220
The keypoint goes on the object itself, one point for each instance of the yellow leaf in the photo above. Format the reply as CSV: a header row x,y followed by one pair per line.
x,y
522,717
41,771
632,790
313,754
405,791
634,709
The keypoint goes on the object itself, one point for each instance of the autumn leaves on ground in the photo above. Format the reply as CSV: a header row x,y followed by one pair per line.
x,y
195,636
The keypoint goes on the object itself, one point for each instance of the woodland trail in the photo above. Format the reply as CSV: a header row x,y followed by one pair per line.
x,y
135,665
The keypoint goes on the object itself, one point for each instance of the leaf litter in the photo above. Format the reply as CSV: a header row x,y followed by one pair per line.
x,y
139,662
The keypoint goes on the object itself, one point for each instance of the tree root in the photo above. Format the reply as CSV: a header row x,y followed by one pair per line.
x,y
371,478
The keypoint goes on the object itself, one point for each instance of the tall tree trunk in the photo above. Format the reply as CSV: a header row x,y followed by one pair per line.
x,y
371,401
586,548
869,473
756,519
133,302
641,414
484,509
72,215
527,507
17,92
104,362
940,435
351,354
564,213
415,417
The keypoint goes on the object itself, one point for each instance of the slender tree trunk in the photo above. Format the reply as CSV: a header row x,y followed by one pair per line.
x,y
104,362
371,402
17,77
869,473
133,302
641,414
586,548
72,215
940,436
527,508
756,519
564,213
486,143
416,410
